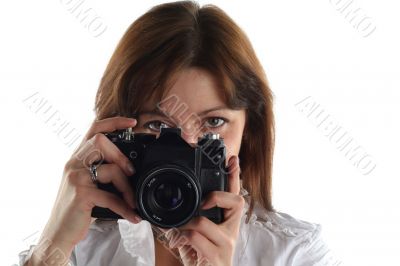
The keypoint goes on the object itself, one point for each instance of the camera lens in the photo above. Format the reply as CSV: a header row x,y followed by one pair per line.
x,y
168,196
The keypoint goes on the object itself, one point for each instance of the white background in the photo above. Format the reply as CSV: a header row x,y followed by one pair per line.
x,y
308,48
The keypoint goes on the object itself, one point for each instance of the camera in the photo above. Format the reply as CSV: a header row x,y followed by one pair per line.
x,y
172,177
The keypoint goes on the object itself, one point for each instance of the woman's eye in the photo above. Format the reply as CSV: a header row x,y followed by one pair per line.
x,y
215,122
155,125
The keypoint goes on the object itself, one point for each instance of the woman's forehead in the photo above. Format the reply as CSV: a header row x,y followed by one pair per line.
x,y
194,89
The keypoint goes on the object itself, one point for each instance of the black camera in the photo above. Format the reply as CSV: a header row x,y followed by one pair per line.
x,y
172,177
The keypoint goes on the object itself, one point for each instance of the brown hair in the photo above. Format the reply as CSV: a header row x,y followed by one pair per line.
x,y
174,36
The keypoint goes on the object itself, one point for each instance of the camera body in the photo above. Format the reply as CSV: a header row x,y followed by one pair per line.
x,y
171,176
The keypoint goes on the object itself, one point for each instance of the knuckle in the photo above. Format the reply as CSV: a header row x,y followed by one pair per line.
x,y
240,201
98,139
93,128
230,243
73,176
68,166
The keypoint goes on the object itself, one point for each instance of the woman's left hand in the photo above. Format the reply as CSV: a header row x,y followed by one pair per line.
x,y
201,241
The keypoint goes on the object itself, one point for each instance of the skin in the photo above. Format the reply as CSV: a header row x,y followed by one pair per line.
x,y
71,215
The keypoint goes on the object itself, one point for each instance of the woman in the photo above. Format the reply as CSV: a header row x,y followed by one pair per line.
x,y
200,57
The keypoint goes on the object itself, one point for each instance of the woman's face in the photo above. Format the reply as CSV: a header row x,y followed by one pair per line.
x,y
194,104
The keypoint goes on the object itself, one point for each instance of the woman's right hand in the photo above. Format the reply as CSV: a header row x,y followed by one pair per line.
x,y
71,215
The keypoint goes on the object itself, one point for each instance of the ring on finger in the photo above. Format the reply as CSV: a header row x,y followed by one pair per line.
x,y
93,172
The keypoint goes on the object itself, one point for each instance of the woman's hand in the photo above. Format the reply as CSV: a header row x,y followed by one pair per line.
x,y
71,215
202,242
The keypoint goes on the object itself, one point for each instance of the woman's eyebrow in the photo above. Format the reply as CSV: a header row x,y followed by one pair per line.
x,y
217,108
159,112
152,112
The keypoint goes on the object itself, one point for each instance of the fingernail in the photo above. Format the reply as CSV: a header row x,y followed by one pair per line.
x,y
130,168
137,218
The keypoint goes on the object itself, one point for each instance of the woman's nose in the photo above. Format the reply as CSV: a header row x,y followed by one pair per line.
x,y
190,134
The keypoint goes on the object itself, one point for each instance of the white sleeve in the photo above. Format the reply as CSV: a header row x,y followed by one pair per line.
x,y
314,251
26,254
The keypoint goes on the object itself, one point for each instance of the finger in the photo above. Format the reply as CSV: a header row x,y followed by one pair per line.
x,y
99,148
231,203
108,200
234,175
207,228
109,125
222,199
113,173
107,173
204,248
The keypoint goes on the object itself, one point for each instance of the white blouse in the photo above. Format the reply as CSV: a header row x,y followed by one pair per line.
x,y
270,239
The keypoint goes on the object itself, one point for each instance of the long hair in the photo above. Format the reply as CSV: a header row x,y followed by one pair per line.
x,y
175,36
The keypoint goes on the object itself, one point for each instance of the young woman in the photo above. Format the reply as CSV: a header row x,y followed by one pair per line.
x,y
200,57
